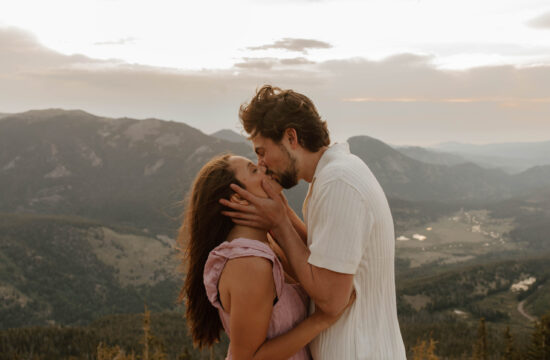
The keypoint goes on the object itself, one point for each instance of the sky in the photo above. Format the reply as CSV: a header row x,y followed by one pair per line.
x,y
415,72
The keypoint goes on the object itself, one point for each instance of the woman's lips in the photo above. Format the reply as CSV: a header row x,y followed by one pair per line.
x,y
273,178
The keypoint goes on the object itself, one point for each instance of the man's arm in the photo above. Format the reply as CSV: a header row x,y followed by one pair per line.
x,y
251,289
328,289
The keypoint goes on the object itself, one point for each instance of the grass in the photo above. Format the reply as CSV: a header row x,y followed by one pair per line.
x,y
457,238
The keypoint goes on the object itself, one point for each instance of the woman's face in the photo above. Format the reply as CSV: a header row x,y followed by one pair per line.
x,y
251,176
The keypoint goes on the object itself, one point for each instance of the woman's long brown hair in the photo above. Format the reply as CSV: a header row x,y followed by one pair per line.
x,y
204,228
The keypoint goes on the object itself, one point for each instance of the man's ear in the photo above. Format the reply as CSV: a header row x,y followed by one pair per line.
x,y
236,198
292,136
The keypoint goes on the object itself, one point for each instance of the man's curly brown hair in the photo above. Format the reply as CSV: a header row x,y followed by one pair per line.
x,y
273,110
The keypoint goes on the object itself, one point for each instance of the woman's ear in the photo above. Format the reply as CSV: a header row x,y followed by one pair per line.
x,y
236,198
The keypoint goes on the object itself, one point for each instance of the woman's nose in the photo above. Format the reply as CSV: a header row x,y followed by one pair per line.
x,y
262,168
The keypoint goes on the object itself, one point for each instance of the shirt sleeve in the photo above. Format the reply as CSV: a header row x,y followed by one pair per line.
x,y
340,228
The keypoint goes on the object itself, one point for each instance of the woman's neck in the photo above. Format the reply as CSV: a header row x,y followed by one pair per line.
x,y
248,232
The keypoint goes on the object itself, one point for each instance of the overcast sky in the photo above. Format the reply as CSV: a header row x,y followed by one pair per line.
x,y
404,71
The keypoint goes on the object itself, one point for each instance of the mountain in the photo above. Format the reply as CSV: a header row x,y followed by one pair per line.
x,y
405,178
519,150
121,171
533,178
531,213
136,172
431,156
70,270
90,206
230,135
511,157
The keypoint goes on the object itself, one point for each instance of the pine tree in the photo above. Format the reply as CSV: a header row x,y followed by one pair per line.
x,y
509,350
480,347
424,351
540,340
185,355
146,333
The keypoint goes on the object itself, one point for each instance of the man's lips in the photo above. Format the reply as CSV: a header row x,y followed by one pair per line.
x,y
272,176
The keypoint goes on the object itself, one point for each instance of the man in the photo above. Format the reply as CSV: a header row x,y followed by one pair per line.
x,y
347,241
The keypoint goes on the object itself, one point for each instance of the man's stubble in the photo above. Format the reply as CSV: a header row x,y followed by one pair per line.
x,y
289,177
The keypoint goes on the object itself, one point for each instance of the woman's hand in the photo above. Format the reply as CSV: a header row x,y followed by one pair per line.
x,y
327,319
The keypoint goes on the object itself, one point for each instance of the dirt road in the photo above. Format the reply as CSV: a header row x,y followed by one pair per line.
x,y
522,312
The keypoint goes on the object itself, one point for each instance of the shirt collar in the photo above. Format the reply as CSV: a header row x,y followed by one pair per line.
x,y
329,155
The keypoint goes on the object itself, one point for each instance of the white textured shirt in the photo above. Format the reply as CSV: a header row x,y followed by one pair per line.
x,y
350,230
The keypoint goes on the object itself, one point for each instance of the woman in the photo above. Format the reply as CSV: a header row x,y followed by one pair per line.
x,y
234,279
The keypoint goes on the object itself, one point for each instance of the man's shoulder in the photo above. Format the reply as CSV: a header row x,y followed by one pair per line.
x,y
346,168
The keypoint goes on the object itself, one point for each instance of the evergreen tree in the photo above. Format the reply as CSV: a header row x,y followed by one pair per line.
x,y
509,350
480,347
146,333
425,351
540,340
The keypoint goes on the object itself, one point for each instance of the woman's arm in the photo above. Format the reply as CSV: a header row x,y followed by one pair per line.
x,y
250,293
289,343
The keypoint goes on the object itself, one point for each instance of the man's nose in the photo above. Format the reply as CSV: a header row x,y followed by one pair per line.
x,y
261,162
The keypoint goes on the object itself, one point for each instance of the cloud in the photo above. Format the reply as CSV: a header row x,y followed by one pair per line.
x,y
268,63
291,44
123,41
21,52
540,22
401,99
257,63
502,100
296,61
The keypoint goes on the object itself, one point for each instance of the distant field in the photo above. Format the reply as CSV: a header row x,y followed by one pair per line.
x,y
462,266
459,237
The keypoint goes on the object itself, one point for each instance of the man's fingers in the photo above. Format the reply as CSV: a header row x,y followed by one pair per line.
x,y
245,194
241,215
269,189
247,223
236,206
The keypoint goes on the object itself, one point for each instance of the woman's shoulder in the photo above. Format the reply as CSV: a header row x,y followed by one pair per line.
x,y
245,259
255,254
249,273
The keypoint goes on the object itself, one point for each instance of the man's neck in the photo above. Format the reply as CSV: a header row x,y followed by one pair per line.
x,y
309,163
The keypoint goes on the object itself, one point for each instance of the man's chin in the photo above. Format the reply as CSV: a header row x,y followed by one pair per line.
x,y
288,184
285,181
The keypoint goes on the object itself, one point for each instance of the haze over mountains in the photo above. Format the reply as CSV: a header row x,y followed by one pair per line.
x,y
134,172
116,170
510,157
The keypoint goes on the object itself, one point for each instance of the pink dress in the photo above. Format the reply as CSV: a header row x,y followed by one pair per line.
x,y
291,304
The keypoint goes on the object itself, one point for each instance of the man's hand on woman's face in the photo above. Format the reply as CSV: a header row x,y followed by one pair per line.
x,y
260,213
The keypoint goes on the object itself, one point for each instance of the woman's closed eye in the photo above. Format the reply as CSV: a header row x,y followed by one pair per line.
x,y
252,168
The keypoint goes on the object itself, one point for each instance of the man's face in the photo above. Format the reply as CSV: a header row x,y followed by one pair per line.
x,y
279,162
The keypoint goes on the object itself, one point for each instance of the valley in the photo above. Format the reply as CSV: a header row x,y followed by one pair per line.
x,y
89,213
